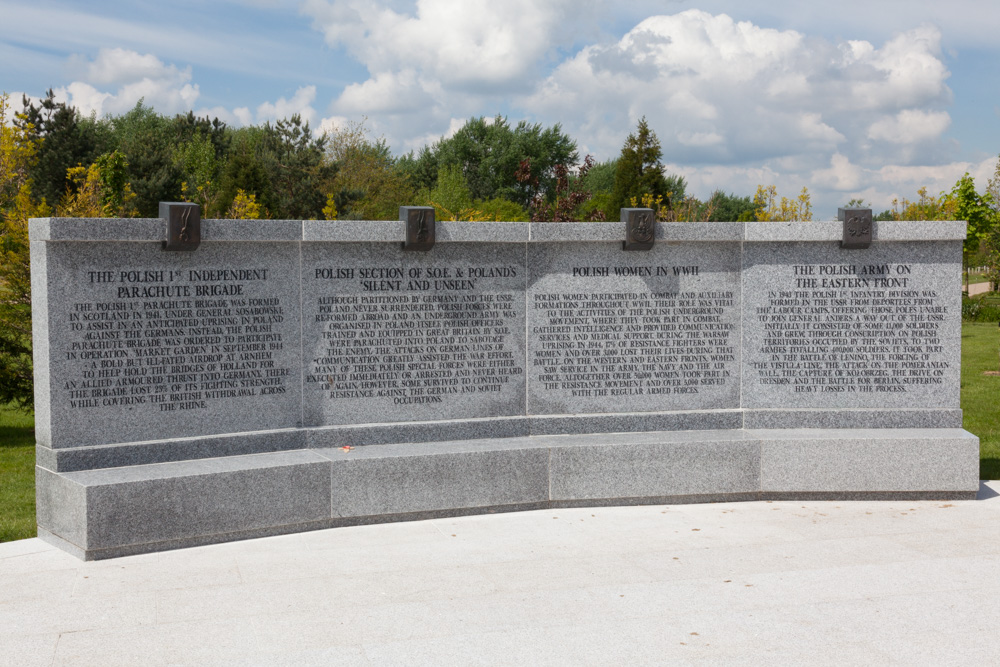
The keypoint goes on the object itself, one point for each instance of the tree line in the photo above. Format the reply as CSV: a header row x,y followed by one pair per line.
x,y
55,161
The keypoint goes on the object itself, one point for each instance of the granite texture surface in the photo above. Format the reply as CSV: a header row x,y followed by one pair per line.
x,y
879,460
833,230
830,328
615,331
177,449
655,469
40,345
416,432
96,229
851,418
380,485
61,506
391,336
699,420
251,230
150,344
353,230
136,509
143,504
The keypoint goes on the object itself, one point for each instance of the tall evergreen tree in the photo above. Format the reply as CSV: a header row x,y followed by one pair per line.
x,y
639,171
148,141
67,141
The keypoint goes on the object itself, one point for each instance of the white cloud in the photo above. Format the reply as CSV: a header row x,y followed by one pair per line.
x,y
300,103
460,44
842,175
910,126
131,76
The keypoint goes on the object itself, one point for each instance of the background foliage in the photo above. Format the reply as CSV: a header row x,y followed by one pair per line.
x,y
54,160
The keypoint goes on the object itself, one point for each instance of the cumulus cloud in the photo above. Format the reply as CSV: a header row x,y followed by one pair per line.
x,y
910,126
126,77
432,60
300,103
473,43
724,92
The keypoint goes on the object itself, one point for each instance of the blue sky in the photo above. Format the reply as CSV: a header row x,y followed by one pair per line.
x,y
852,99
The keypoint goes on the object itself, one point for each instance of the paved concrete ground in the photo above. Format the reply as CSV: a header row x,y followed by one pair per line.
x,y
770,583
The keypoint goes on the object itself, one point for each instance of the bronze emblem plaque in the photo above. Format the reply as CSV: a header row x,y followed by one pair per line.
x,y
857,228
183,225
419,227
639,228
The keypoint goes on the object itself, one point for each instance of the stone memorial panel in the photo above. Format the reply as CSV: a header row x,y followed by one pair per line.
x,y
396,336
831,328
146,344
613,331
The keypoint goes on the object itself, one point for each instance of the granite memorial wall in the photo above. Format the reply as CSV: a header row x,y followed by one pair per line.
x,y
292,375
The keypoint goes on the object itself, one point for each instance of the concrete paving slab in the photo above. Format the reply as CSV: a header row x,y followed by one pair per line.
x,y
758,583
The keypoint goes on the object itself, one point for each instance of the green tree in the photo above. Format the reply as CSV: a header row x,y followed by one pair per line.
x,y
571,197
297,168
245,169
147,140
976,210
491,153
101,190
452,200
991,243
201,146
730,207
767,207
18,152
64,141
639,170
366,166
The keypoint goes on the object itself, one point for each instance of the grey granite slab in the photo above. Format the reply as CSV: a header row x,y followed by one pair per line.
x,y
382,485
416,432
251,230
392,336
144,344
162,451
655,469
616,331
148,504
700,420
833,230
97,229
701,231
579,231
61,506
40,317
830,328
879,461
919,230
347,231
851,418
483,232
353,230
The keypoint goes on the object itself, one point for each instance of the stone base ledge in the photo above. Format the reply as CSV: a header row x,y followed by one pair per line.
x,y
71,459
114,512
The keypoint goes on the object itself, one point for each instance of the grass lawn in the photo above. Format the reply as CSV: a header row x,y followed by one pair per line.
x,y
17,475
981,393
980,405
